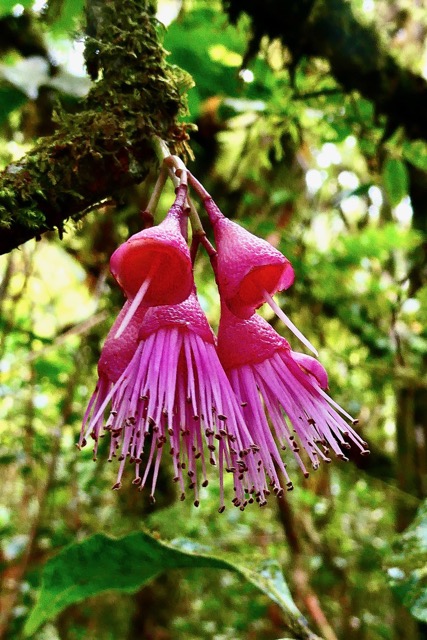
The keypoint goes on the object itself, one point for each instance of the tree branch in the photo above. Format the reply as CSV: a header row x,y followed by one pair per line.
x,y
329,29
106,146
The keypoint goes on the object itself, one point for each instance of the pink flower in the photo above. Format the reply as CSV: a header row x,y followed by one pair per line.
x,y
164,384
175,392
249,270
272,381
115,357
154,265
246,265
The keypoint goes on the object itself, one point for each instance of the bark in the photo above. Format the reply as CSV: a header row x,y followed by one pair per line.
x,y
106,146
411,427
411,421
357,56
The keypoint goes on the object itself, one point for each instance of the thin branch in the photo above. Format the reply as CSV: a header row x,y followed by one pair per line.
x,y
302,584
309,95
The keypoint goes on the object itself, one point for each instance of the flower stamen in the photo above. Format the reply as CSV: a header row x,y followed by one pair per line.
x,y
139,296
282,315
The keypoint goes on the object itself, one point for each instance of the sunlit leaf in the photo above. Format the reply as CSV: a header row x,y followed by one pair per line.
x,y
206,54
6,6
416,153
64,15
395,180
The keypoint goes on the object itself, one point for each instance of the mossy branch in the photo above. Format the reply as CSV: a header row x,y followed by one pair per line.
x,y
106,146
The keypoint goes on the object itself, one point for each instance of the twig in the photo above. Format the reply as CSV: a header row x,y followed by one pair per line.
x,y
79,329
302,586
317,94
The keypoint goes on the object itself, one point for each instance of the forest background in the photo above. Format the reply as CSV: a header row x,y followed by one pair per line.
x,y
311,132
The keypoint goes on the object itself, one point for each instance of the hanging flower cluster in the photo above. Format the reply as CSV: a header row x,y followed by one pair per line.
x,y
167,383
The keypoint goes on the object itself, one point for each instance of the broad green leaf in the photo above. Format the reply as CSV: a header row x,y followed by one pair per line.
x,y
395,180
101,564
407,567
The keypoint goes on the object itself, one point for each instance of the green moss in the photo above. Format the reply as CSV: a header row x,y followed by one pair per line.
x,y
107,145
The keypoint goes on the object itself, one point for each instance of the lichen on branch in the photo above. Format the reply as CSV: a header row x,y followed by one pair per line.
x,y
106,146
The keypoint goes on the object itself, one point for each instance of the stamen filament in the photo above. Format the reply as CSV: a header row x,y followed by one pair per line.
x,y
282,315
139,296
336,405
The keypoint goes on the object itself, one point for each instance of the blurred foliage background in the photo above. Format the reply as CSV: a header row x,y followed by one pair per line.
x,y
319,173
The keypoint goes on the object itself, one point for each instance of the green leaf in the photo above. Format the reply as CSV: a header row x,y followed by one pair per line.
x,y
206,54
64,15
416,153
373,242
10,99
6,6
407,566
101,563
395,180
361,190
